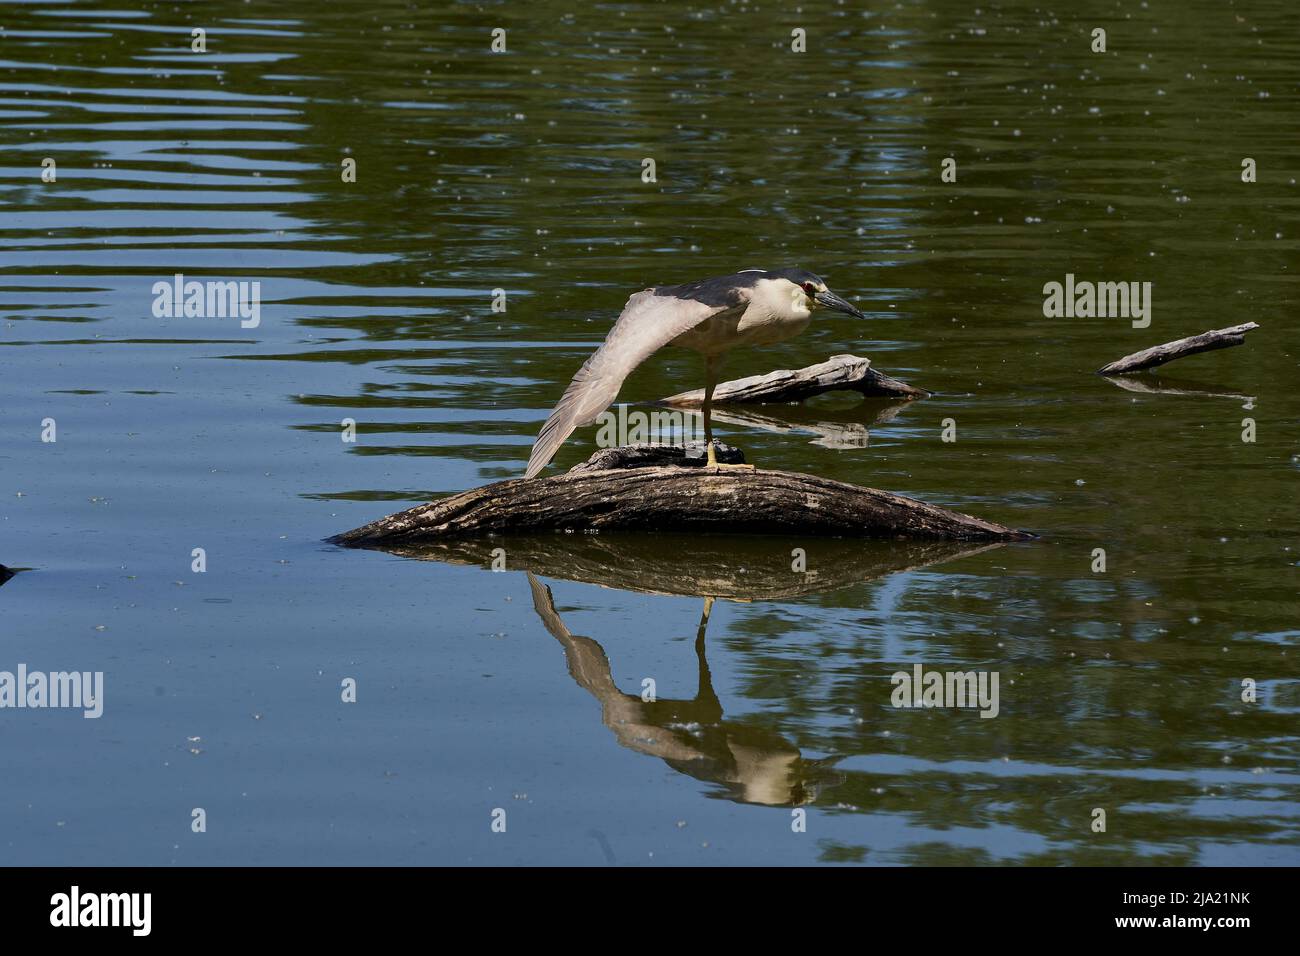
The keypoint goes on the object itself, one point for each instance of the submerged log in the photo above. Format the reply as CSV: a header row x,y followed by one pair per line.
x,y
838,373
605,495
1192,345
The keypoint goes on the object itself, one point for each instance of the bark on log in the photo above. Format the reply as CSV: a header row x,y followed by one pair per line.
x,y
839,372
674,498
1160,354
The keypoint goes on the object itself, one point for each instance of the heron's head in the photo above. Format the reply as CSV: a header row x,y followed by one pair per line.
x,y
808,291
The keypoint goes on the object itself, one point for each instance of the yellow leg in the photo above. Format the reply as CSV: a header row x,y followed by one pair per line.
x,y
716,465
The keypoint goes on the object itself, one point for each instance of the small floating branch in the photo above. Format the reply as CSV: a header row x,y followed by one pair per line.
x,y
1160,354
598,497
838,373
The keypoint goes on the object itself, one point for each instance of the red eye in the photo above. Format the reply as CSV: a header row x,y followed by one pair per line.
x,y
809,288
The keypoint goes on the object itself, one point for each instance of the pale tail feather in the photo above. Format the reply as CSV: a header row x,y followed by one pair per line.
x,y
592,391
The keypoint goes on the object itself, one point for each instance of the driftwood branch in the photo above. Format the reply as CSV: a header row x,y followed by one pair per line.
x,y
838,373
675,498
1160,354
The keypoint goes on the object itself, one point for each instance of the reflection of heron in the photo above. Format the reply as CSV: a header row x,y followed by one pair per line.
x,y
711,316
691,736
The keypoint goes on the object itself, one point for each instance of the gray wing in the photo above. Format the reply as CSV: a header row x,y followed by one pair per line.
x,y
648,323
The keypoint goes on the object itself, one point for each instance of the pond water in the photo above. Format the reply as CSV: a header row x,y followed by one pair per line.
x,y
478,691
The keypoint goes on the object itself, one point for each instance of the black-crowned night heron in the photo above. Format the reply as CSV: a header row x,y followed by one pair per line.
x,y
711,316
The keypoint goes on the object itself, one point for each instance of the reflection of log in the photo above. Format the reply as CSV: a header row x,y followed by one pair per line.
x,y
828,434
837,373
1160,354
848,428
734,568
673,498
1154,385
5,574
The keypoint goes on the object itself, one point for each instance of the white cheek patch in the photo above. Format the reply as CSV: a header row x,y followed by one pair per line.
x,y
780,299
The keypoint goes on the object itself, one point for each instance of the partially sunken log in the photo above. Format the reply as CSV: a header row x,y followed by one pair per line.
x,y
603,496
838,373
1160,354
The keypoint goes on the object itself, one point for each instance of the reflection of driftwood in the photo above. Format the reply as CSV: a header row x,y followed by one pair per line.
x,y
1160,354
839,372
5,574
733,568
1152,385
673,498
834,429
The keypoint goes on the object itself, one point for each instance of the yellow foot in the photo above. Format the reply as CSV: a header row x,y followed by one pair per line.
x,y
714,465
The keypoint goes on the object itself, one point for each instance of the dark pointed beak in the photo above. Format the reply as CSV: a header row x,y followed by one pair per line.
x,y
833,301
